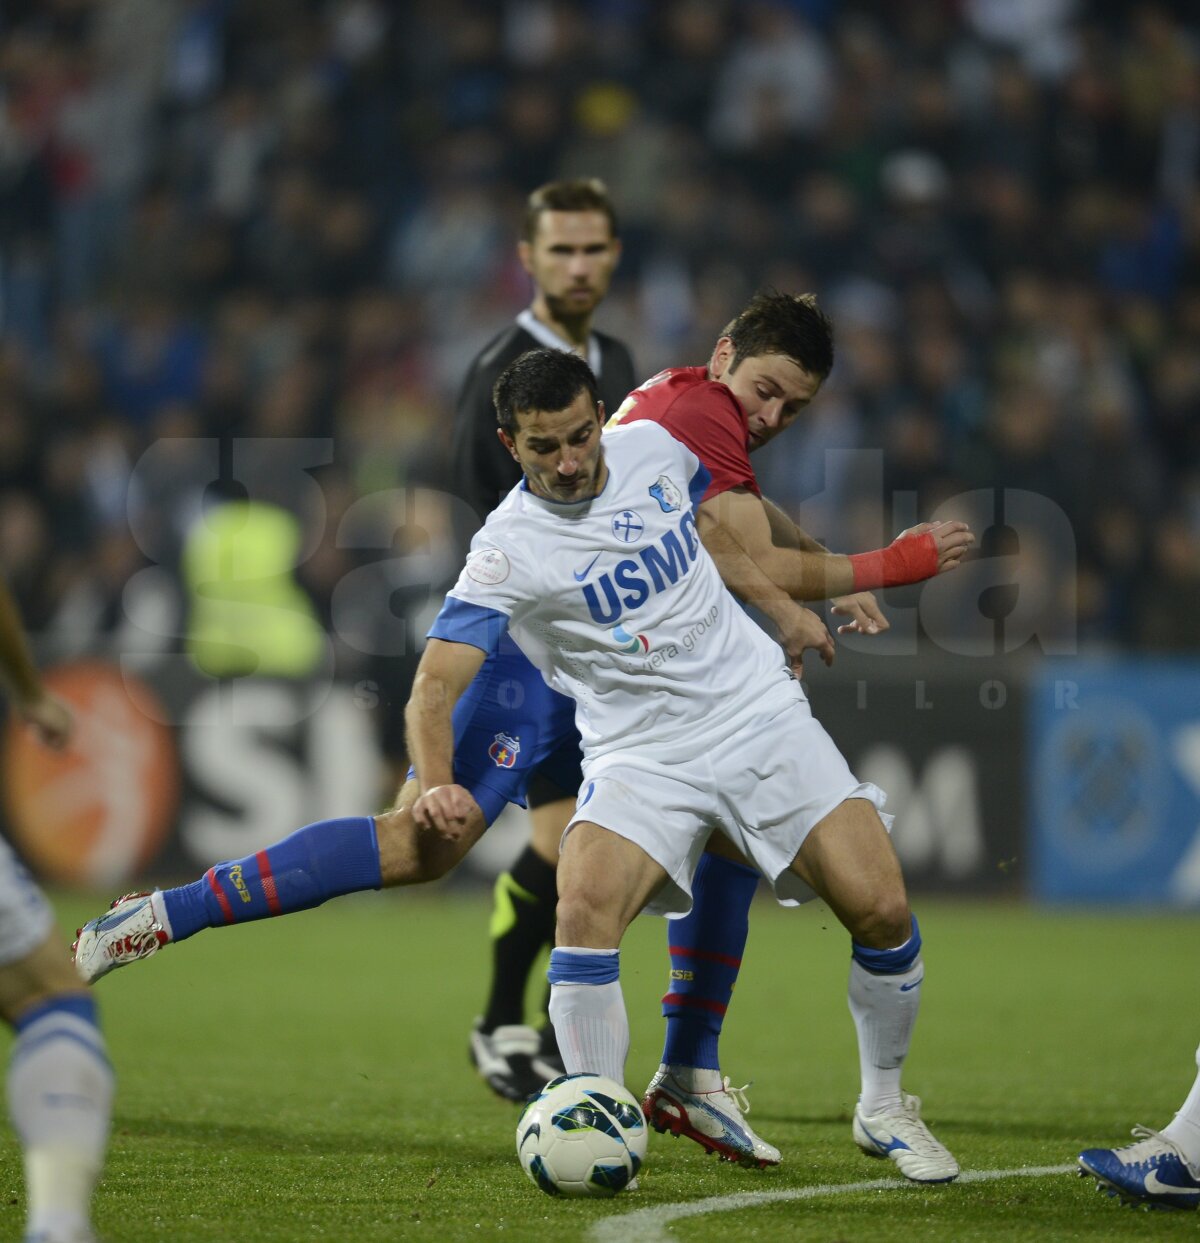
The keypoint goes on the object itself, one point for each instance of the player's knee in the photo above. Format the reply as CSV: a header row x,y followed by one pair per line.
x,y
408,856
583,918
46,973
882,922
893,959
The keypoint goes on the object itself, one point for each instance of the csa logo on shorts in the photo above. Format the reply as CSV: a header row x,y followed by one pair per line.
x,y
504,750
667,495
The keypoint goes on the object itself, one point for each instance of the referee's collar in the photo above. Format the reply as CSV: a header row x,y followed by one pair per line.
x,y
551,340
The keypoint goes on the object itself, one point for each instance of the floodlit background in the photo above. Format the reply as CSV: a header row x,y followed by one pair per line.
x,y
248,247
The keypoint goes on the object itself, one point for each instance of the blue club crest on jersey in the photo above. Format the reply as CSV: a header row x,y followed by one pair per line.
x,y
628,526
667,495
504,750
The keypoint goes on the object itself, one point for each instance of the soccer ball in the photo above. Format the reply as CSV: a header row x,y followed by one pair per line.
x,y
582,1135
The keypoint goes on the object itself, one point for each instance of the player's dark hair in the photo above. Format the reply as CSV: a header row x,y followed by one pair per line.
x,y
545,380
783,323
581,194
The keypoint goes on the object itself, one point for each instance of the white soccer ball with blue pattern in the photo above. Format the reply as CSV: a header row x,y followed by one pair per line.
x,y
582,1135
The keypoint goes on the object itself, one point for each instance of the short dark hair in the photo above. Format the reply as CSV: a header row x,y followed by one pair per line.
x,y
541,380
580,194
783,323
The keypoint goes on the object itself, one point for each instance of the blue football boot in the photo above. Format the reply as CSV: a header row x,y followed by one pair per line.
x,y
1152,1171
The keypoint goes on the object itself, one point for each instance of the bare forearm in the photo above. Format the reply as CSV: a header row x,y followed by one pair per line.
x,y
801,574
430,732
807,575
741,575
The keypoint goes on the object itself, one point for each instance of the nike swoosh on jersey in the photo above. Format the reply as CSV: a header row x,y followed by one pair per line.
x,y
580,575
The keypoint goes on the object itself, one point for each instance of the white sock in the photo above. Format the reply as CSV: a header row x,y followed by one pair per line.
x,y
590,1023
59,1098
884,1009
695,1078
159,906
1184,1128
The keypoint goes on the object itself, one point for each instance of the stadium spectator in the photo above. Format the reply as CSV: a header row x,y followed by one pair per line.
x,y
570,247
1000,196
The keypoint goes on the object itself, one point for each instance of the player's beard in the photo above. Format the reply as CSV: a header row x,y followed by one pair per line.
x,y
582,489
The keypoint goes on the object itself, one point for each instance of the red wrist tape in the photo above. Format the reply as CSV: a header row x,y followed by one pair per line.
x,y
907,559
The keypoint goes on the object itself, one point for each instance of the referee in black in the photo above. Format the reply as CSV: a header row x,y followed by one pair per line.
x,y
570,248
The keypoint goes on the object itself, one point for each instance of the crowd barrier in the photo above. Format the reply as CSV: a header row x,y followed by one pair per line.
x,y
1062,780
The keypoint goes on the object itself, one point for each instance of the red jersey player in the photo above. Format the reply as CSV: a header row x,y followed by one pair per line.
x,y
766,367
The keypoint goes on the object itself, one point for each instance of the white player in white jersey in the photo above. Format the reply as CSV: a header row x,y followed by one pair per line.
x,y
59,1079
689,720
670,693
564,574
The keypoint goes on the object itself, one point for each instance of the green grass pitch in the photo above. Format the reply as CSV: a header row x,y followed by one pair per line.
x,y
306,1078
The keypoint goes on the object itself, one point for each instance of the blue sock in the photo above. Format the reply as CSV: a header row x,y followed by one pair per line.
x,y
313,864
706,954
81,1005
583,966
889,962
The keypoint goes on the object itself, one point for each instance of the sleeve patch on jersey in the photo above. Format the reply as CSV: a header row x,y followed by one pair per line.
x,y
488,566
667,495
698,484
463,622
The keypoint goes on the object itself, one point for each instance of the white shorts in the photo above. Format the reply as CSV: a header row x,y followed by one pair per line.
x,y
765,788
26,919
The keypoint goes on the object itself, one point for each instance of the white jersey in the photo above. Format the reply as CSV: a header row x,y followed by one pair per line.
x,y
616,602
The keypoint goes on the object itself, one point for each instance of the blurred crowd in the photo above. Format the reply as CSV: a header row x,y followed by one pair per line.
x,y
224,222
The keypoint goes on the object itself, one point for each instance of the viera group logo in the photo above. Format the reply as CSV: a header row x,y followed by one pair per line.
x,y
635,644
95,814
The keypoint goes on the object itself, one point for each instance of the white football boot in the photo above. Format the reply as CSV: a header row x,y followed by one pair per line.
x,y
129,930
713,1119
906,1140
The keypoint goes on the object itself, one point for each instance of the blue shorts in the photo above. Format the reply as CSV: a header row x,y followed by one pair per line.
x,y
510,726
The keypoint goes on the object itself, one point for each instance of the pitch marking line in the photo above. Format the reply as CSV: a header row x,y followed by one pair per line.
x,y
649,1225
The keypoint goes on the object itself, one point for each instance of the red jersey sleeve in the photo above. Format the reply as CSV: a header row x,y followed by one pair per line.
x,y
708,419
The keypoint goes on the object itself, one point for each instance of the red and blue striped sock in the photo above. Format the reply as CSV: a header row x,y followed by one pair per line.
x,y
317,862
706,954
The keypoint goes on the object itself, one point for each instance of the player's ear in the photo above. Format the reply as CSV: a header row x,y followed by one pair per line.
x,y
600,412
525,255
507,441
722,355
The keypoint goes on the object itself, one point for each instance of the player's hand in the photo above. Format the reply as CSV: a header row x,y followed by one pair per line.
x,y
952,540
50,719
447,810
864,613
800,629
